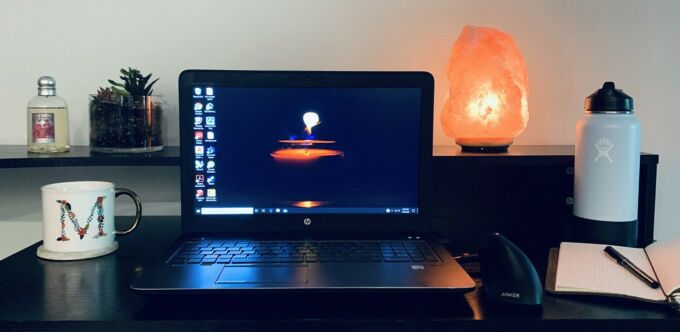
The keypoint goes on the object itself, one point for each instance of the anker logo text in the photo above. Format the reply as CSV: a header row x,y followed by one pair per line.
x,y
510,294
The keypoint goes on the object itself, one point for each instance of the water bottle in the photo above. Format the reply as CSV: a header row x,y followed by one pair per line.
x,y
607,169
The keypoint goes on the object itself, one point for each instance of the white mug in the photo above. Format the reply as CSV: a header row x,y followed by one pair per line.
x,y
78,219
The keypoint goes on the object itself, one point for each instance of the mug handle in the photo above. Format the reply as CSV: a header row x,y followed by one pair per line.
x,y
138,210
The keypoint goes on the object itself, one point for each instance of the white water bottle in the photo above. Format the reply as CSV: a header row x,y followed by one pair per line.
x,y
607,169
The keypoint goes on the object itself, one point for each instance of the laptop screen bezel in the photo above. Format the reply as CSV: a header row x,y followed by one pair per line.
x,y
193,223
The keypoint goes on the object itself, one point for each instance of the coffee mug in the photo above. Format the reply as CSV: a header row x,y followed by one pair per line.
x,y
79,221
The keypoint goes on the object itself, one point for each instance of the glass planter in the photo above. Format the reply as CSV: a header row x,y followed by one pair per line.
x,y
126,124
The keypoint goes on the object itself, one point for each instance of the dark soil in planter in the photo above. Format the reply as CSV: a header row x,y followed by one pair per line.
x,y
124,126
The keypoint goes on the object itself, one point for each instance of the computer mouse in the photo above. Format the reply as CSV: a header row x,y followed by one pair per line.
x,y
508,275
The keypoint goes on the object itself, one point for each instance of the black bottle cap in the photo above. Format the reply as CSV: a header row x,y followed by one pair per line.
x,y
609,99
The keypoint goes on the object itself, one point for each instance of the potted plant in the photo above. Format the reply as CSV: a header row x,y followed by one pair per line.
x,y
126,117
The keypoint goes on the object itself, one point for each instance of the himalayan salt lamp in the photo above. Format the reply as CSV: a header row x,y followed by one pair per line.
x,y
486,105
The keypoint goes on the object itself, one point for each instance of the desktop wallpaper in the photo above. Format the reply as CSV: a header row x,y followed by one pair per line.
x,y
315,147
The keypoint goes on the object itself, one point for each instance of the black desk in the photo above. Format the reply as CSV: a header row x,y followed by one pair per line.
x,y
34,292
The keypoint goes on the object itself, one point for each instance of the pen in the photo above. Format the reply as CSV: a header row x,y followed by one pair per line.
x,y
628,265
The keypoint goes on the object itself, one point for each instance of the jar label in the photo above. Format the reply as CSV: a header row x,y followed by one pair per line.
x,y
43,127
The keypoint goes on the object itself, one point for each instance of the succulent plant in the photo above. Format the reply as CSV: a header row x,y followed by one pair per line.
x,y
106,95
125,116
134,83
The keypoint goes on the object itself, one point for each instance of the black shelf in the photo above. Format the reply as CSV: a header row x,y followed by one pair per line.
x,y
16,156
527,191
519,155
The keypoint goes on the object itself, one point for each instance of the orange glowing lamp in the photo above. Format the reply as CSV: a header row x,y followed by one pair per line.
x,y
486,106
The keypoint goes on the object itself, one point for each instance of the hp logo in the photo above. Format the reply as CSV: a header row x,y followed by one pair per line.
x,y
307,221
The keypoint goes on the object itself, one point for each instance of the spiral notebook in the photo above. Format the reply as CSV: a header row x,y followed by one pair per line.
x,y
583,268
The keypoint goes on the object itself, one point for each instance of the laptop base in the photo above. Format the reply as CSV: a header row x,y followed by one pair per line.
x,y
300,275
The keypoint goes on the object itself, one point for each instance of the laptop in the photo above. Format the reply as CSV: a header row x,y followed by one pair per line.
x,y
300,181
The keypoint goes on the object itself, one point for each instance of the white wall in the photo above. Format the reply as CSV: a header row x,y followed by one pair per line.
x,y
570,48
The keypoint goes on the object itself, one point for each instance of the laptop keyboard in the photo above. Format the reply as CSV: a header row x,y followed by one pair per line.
x,y
249,252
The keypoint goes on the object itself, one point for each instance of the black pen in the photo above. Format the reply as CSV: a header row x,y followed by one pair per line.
x,y
628,265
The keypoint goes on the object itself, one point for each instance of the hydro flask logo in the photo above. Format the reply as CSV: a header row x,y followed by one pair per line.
x,y
603,146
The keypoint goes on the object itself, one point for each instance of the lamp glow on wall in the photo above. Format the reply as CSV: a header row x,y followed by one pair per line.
x,y
486,106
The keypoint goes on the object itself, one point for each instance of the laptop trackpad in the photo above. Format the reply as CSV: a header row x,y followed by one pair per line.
x,y
267,274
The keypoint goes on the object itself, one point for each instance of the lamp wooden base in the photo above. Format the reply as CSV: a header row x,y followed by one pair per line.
x,y
484,145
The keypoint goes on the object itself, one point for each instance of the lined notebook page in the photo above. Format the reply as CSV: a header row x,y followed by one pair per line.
x,y
586,268
665,256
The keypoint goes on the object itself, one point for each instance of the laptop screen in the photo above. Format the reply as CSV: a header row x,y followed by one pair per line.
x,y
305,150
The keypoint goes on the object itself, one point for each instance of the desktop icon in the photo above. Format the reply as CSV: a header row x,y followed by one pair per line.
x,y
198,135
209,120
200,178
211,164
209,91
199,150
211,180
210,150
198,121
212,192
198,106
197,91
200,192
209,106
198,164
210,135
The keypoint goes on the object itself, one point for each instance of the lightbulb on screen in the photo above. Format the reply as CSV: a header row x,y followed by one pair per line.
x,y
310,119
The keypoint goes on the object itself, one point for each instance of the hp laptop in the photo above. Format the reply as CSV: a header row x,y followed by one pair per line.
x,y
305,181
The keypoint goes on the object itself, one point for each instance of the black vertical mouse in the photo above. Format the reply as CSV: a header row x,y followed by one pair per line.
x,y
507,273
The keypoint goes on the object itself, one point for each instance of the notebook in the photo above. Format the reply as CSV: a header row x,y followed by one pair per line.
x,y
583,268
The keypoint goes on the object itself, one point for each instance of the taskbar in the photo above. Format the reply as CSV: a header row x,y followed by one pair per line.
x,y
298,210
